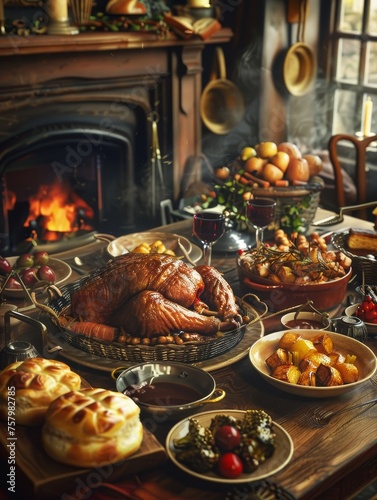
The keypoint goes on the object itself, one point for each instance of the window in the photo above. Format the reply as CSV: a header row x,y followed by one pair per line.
x,y
354,72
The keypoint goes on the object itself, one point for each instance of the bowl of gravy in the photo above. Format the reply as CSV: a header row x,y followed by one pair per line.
x,y
167,390
305,320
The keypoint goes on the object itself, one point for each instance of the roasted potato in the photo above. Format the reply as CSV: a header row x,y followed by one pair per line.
x,y
313,359
328,376
286,274
279,357
293,257
348,372
302,347
156,247
307,378
336,357
323,343
307,362
287,373
288,339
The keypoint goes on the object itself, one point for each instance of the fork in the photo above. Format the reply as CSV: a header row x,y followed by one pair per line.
x,y
321,417
337,219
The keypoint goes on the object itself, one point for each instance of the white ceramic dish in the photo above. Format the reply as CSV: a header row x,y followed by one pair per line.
x,y
366,363
62,271
127,243
282,455
371,327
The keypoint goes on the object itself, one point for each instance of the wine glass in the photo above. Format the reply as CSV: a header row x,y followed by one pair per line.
x,y
260,212
208,227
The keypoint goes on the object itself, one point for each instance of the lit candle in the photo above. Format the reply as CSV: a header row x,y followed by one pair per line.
x,y
367,120
58,10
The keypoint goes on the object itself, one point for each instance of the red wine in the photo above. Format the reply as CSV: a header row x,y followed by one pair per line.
x,y
261,211
208,227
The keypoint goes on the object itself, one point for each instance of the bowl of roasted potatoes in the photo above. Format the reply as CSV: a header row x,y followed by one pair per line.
x,y
313,363
292,270
149,242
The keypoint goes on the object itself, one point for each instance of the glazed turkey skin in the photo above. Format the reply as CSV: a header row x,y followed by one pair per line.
x,y
149,314
126,276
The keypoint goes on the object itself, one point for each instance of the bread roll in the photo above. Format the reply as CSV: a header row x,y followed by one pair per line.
x,y
92,427
37,382
125,7
362,239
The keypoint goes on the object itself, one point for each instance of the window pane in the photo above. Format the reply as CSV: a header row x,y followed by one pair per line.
x,y
372,22
351,16
371,64
344,112
348,61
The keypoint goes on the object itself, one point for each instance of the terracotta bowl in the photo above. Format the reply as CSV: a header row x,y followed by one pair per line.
x,y
286,295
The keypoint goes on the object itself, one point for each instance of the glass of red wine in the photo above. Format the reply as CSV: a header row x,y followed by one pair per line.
x,y
208,227
260,213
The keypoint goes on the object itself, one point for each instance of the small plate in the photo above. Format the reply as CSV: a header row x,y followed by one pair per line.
x,y
62,271
371,327
282,455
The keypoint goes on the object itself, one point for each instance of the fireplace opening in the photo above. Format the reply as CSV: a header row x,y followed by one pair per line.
x,y
61,181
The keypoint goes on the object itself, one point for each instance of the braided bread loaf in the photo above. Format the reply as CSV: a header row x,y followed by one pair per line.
x,y
92,427
36,382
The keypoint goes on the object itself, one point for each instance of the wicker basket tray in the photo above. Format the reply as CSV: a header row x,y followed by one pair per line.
x,y
188,352
295,205
363,267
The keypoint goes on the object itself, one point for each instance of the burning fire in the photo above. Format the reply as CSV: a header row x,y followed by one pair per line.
x,y
58,209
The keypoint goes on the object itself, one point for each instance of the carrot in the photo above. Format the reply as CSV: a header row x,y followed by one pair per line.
x,y
95,330
282,183
261,182
242,180
299,183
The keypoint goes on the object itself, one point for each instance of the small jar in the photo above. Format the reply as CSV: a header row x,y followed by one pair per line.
x,y
17,350
352,327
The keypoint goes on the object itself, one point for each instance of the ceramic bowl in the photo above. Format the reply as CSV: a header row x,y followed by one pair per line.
x,y
366,363
129,242
371,327
168,390
305,320
285,295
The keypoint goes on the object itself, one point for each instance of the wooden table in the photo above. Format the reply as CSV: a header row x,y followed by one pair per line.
x,y
327,463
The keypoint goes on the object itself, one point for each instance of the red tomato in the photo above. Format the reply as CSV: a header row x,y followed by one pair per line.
x,y
369,315
230,465
227,437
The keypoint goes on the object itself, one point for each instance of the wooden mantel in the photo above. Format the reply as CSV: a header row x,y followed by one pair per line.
x,y
13,45
47,67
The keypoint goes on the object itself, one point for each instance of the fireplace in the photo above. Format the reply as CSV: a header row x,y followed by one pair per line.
x,y
74,169
76,117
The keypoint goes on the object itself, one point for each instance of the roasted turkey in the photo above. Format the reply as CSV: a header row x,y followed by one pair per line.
x,y
156,294
149,314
